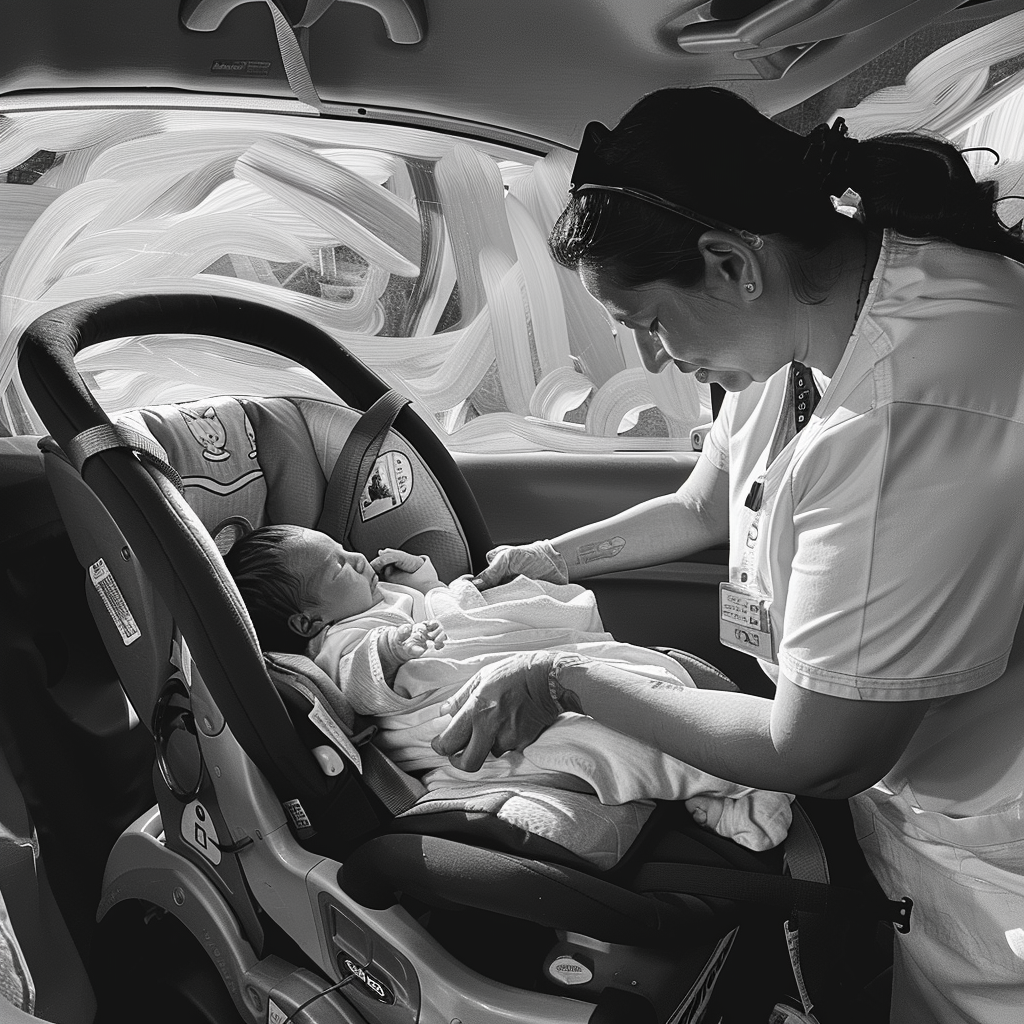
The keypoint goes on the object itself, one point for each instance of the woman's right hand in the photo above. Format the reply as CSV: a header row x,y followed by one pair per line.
x,y
504,707
538,561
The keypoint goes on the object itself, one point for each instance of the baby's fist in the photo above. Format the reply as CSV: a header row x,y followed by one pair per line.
x,y
416,639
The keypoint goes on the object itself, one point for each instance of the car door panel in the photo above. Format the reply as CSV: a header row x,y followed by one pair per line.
x,y
524,497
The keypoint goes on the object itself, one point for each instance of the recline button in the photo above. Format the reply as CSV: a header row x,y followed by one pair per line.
x,y
569,971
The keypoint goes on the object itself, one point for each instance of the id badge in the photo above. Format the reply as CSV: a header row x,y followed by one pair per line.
x,y
743,621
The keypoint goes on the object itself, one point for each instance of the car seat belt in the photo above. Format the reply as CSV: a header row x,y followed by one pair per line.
x,y
395,789
354,465
101,438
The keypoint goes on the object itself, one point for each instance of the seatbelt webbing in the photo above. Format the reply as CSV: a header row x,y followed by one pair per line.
x,y
395,789
767,889
354,465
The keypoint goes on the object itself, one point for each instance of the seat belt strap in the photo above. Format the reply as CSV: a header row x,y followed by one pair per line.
x,y
101,438
354,465
767,889
395,789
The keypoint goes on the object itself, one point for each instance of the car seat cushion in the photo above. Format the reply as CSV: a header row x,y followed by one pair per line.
x,y
402,505
548,817
446,873
285,450
212,445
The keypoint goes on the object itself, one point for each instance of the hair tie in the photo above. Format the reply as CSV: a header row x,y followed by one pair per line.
x,y
980,149
827,157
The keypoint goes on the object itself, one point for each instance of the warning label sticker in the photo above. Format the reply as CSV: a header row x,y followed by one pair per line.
x,y
389,484
113,600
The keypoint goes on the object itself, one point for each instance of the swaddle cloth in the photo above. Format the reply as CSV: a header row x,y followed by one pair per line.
x,y
488,626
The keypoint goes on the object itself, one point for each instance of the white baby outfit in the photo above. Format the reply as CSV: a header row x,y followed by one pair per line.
x,y
576,752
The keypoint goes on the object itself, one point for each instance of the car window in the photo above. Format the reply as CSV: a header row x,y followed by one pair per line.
x,y
423,253
962,78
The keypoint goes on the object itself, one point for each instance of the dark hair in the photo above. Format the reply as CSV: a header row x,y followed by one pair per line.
x,y
710,150
269,586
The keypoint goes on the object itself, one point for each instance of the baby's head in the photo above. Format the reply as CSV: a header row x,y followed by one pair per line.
x,y
296,581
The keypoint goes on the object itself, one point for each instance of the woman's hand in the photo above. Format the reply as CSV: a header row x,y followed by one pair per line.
x,y
408,570
505,706
539,561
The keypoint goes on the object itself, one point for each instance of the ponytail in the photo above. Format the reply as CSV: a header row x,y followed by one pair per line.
x,y
921,186
709,151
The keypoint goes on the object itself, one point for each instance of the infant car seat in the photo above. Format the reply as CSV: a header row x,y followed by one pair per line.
x,y
275,838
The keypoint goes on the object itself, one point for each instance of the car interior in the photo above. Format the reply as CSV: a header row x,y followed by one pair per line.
x,y
283,261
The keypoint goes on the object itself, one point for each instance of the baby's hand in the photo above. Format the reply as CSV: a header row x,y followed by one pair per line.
x,y
416,571
414,640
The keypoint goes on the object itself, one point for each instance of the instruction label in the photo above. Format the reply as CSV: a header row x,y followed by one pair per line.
x,y
113,600
321,718
389,484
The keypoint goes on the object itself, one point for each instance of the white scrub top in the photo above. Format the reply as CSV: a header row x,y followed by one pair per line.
x,y
890,545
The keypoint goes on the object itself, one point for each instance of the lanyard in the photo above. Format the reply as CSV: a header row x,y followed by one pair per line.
x,y
801,398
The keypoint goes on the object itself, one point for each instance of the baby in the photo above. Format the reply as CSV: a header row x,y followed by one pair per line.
x,y
296,582
399,647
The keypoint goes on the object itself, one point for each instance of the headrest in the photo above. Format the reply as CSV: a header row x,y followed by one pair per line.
x,y
212,445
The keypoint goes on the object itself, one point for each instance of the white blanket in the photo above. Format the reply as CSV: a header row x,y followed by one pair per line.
x,y
576,755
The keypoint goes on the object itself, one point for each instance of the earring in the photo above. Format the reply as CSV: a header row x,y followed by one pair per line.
x,y
750,286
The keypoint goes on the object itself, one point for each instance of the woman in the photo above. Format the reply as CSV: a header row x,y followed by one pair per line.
x,y
867,468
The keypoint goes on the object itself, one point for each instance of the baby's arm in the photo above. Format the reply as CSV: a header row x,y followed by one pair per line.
x,y
399,644
416,571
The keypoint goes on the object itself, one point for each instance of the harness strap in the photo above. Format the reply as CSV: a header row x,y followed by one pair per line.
x,y
354,465
395,789
105,436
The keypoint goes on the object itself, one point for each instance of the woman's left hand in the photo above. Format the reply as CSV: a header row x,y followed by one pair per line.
x,y
504,707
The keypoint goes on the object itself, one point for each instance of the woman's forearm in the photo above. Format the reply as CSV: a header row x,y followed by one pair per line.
x,y
660,530
723,733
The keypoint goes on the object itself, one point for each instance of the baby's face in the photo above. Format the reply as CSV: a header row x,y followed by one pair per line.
x,y
336,583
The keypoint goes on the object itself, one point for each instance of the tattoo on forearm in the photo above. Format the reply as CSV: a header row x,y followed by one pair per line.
x,y
599,550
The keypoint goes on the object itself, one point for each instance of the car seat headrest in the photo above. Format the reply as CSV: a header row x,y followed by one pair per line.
x,y
212,445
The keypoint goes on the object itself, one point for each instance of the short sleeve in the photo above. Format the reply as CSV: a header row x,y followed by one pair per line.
x,y
904,552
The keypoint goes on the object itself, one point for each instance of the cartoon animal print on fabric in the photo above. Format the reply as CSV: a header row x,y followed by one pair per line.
x,y
208,430
216,457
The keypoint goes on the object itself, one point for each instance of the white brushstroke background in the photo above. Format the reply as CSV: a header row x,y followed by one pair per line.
x,y
168,201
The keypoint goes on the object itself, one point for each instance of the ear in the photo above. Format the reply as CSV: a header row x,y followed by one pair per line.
x,y
305,625
730,264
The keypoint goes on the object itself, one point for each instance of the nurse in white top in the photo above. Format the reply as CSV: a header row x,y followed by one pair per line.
x,y
864,307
